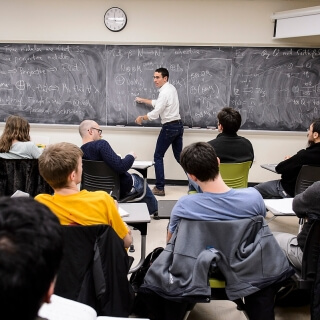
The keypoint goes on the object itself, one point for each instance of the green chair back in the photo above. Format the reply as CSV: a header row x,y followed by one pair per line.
x,y
235,175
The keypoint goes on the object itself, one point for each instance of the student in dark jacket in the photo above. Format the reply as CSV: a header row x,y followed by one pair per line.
x,y
229,147
97,149
290,167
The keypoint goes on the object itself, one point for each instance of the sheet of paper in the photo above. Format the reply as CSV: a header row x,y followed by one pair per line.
x,y
279,206
123,213
20,193
65,309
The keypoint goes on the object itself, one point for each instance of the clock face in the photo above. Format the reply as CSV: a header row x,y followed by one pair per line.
x,y
115,19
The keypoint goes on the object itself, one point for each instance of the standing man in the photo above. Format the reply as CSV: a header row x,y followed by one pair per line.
x,y
167,108
290,167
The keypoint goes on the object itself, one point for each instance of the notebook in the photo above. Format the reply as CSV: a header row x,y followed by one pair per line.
x,y
280,206
65,309
123,213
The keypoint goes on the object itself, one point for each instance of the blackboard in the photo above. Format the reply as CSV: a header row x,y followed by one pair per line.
x,y
54,84
273,88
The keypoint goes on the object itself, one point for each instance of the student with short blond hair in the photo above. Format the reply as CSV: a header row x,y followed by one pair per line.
x,y
61,166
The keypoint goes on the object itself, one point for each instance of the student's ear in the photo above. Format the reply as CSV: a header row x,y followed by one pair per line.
x,y
49,293
72,175
218,161
192,177
315,135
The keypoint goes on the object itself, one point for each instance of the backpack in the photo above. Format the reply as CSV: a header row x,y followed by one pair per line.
x,y
137,277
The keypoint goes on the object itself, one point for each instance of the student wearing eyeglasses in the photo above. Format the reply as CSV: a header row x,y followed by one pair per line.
x,y
97,149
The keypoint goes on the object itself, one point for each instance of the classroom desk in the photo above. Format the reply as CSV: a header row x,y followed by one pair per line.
x,y
165,208
139,218
142,167
281,208
270,167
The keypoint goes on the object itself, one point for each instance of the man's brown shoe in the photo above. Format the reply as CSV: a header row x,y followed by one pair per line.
x,y
158,192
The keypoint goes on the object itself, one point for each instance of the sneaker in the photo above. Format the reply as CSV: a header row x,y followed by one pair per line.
x,y
158,192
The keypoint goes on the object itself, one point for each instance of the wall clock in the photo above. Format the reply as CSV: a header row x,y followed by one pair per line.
x,y
115,19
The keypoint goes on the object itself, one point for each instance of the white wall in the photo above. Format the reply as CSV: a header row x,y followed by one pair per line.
x,y
192,22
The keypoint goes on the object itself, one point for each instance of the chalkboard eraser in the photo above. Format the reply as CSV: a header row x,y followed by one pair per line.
x,y
186,127
120,125
212,128
196,128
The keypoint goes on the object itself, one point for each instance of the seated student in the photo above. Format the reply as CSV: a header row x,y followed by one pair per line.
x,y
30,255
304,205
15,140
239,211
290,167
218,201
97,149
229,147
61,166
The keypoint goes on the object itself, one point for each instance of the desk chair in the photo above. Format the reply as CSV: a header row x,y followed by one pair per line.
x,y
23,175
235,175
305,278
189,260
306,177
94,270
97,175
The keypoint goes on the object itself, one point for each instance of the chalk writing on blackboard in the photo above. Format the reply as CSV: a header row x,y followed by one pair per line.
x,y
273,88
60,84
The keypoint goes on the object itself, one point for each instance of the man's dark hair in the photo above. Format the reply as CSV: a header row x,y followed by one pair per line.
x,y
164,72
200,159
30,255
230,119
316,126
